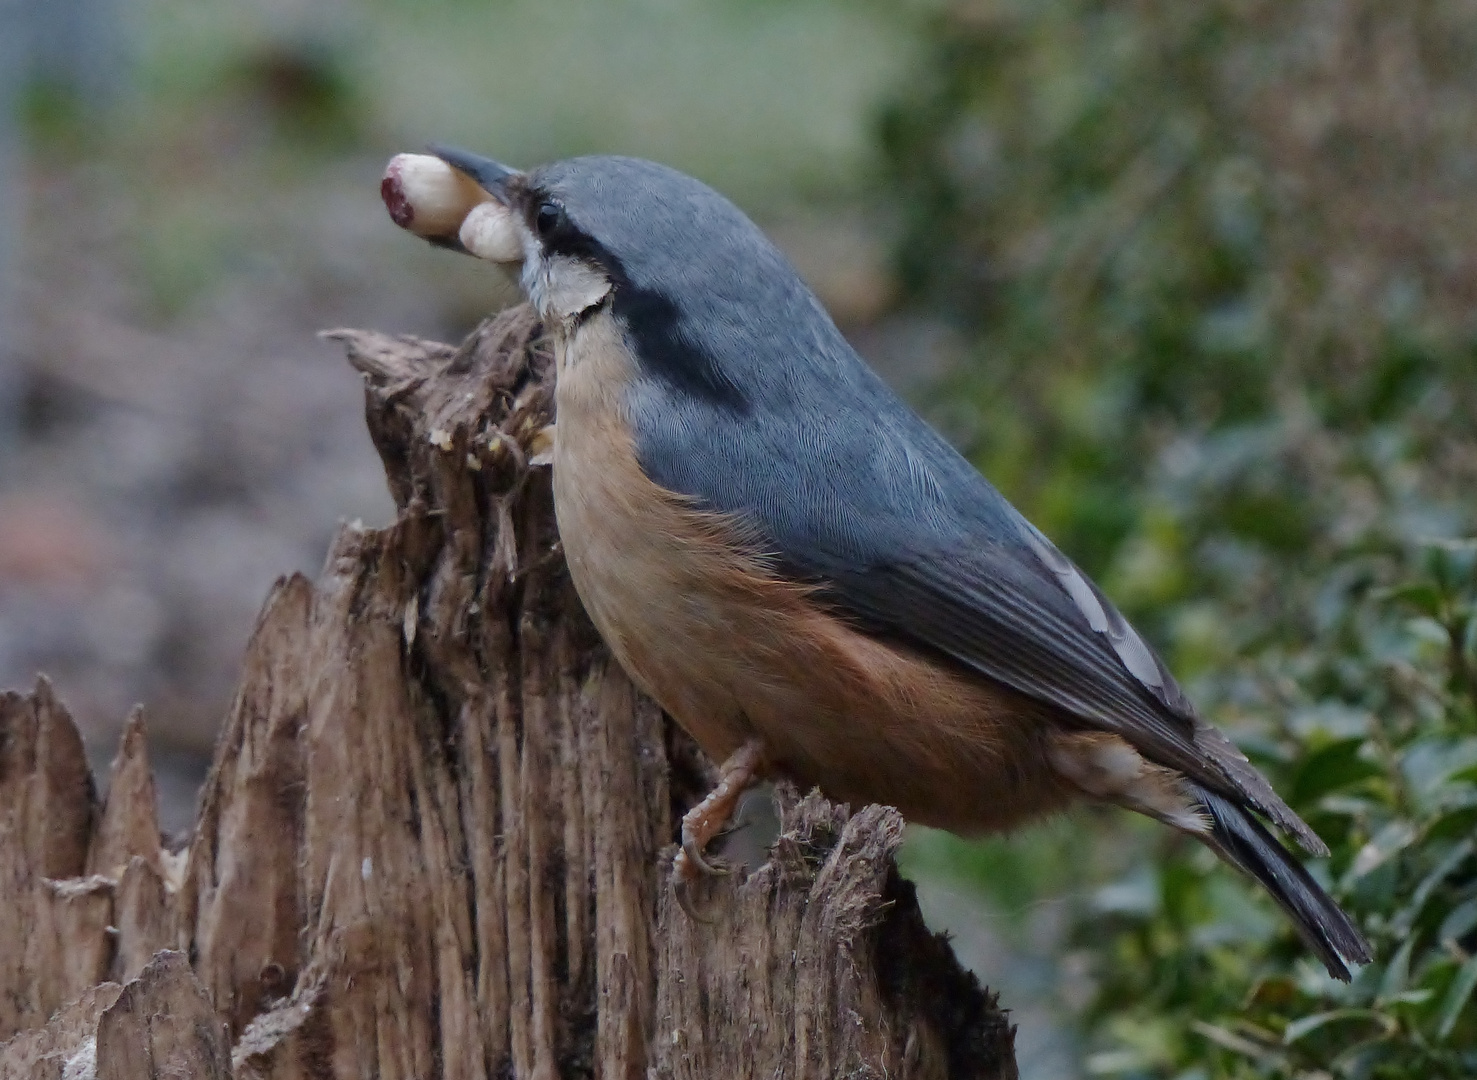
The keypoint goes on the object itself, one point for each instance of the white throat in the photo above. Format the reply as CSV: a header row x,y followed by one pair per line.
x,y
561,286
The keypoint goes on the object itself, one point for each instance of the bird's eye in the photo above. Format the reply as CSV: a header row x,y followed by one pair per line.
x,y
549,218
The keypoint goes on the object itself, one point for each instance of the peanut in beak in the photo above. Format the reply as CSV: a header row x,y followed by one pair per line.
x,y
428,197
489,232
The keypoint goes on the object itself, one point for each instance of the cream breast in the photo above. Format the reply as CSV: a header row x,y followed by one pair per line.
x,y
651,571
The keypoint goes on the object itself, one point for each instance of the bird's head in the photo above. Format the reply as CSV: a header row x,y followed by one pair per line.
x,y
664,249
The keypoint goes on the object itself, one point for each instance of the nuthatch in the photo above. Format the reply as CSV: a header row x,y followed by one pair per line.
x,y
798,569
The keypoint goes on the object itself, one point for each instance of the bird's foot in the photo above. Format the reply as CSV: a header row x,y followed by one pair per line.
x,y
708,818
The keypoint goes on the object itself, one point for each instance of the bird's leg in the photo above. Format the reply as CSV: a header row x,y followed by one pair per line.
x,y
707,819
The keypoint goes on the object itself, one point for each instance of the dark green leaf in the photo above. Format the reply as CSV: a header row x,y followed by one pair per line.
x,y
1457,997
1335,766
1381,1023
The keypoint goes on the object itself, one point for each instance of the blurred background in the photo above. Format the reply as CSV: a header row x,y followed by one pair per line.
x,y
1192,283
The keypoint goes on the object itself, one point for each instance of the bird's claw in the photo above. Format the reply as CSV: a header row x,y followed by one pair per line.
x,y
684,878
693,862
706,820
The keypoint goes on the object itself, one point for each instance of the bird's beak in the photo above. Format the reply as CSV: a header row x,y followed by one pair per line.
x,y
490,175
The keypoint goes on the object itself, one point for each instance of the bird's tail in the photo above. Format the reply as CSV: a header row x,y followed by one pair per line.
x,y
1244,842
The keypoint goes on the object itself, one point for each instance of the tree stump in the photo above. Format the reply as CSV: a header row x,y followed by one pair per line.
x,y
436,835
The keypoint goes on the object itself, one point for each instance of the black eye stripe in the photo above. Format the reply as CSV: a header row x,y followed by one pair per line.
x,y
558,234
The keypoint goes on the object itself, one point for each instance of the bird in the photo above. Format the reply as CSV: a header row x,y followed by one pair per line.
x,y
801,571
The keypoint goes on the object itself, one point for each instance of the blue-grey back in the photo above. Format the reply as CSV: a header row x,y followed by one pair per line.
x,y
750,399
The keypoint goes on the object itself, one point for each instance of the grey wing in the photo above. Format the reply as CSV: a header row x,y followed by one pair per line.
x,y
854,492
1030,619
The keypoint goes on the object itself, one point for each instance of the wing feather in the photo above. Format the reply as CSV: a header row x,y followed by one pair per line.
x,y
988,610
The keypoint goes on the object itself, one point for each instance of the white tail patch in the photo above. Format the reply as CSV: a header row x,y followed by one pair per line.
x,y
1107,768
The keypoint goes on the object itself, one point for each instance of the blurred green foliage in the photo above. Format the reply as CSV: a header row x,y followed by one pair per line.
x,y
1164,221
1375,744
759,98
238,117
1214,263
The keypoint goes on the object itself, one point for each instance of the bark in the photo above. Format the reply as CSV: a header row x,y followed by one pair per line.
x,y
436,834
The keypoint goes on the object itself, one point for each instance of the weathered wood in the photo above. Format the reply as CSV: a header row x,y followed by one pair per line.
x,y
436,835
128,828
66,1046
47,812
819,965
161,1027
